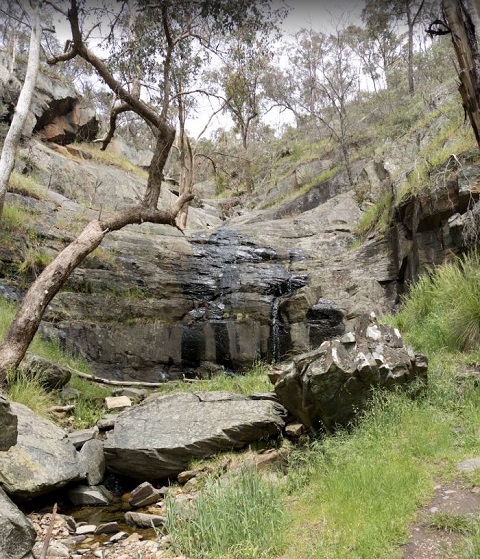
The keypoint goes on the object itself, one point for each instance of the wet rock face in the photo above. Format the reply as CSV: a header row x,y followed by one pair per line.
x,y
327,387
235,287
216,298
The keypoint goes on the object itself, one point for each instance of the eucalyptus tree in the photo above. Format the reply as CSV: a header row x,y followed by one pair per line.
x,y
386,21
245,59
322,81
143,49
12,139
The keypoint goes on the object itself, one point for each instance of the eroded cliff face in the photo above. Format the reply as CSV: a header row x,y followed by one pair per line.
x,y
153,303
435,225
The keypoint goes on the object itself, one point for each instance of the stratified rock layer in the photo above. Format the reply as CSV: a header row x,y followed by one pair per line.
x,y
159,438
329,386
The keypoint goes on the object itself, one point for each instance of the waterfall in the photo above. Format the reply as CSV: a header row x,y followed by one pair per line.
x,y
276,329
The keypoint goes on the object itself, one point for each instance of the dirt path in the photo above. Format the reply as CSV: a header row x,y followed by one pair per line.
x,y
427,542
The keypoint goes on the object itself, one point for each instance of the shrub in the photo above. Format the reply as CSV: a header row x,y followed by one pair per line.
x,y
442,310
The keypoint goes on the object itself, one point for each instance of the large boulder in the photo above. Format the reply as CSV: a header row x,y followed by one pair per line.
x,y
42,460
159,438
328,386
9,422
17,535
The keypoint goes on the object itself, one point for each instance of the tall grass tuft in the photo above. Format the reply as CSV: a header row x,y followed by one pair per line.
x,y
234,518
30,392
442,310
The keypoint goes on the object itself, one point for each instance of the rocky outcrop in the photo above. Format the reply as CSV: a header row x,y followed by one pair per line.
x,y
17,535
42,460
159,438
320,244
329,386
9,423
56,113
429,228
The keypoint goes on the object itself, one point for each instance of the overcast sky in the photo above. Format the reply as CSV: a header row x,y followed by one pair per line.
x,y
317,14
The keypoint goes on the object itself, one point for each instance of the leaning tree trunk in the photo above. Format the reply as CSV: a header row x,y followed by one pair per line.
x,y
463,17
7,159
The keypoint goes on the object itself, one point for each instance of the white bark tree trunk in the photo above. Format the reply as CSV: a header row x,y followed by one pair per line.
x,y
7,159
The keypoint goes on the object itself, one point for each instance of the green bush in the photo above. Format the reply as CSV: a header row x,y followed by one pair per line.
x,y
442,310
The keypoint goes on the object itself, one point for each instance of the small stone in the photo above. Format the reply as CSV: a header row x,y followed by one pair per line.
x,y
295,430
107,528
348,338
143,520
433,510
80,437
93,496
187,475
86,529
56,550
107,422
143,495
117,402
118,537
92,461
469,465
135,393
134,538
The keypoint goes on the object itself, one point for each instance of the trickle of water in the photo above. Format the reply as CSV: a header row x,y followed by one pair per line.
x,y
276,329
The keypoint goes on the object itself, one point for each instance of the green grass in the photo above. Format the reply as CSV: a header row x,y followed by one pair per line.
x,y
451,522
236,517
89,404
26,186
442,311
14,218
30,393
364,487
376,217
252,380
112,158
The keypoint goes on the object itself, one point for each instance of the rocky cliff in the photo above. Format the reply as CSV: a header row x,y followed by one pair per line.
x,y
153,303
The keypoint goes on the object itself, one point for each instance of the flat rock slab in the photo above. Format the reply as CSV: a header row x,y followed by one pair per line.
x,y
159,438
42,460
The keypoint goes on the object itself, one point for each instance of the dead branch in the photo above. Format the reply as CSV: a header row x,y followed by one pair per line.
x,y
108,382
48,535
61,409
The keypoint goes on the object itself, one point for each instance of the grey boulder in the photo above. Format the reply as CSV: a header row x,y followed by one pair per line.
x,y
92,461
9,422
50,375
327,387
42,460
159,438
17,535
